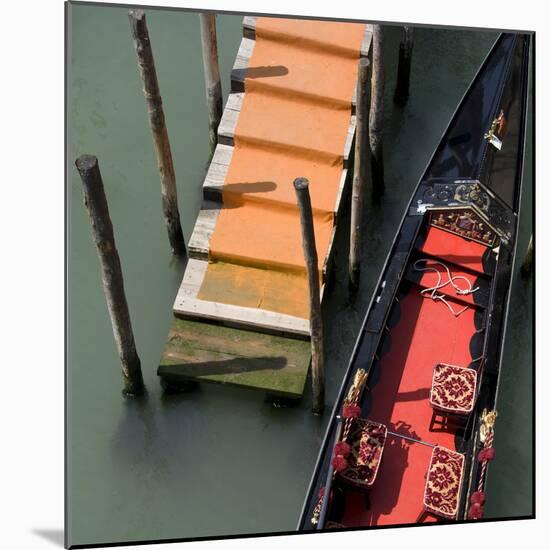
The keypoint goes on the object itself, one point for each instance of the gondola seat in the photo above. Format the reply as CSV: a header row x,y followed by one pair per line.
x,y
453,389
443,483
367,440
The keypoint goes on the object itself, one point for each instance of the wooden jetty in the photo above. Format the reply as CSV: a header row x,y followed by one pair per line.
x,y
263,338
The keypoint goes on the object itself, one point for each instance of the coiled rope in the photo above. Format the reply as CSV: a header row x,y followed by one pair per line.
x,y
432,291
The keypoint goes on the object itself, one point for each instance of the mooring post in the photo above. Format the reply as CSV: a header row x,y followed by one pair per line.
x,y
111,273
359,173
404,67
527,265
157,122
301,185
377,112
211,75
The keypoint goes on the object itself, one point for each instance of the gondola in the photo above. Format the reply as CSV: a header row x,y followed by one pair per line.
x,y
411,435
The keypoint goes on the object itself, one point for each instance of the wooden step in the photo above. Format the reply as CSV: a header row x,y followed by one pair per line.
x,y
260,134
187,305
238,74
249,31
270,165
201,352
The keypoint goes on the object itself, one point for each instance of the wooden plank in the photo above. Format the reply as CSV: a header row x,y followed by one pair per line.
x,y
228,123
238,72
249,31
226,130
328,265
340,195
249,26
247,46
215,179
198,245
187,305
203,352
367,41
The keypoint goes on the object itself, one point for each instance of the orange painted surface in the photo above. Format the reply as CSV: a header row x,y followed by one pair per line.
x,y
293,123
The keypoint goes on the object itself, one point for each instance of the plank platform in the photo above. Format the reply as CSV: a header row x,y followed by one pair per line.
x,y
230,117
187,305
214,341
249,31
201,352
247,46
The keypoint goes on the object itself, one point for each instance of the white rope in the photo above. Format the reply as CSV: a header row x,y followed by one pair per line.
x,y
432,291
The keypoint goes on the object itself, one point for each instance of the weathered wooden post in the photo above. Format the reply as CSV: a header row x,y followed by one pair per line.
x,y
211,75
111,273
359,173
377,112
157,122
527,265
315,320
404,67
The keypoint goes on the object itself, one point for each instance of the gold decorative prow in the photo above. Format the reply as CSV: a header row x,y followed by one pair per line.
x,y
488,419
496,132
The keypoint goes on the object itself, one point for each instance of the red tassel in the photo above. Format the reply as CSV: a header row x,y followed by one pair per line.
x,y
486,455
351,410
322,494
339,463
342,448
478,498
490,453
475,511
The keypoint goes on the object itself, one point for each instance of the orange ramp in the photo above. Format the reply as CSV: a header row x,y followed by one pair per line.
x,y
294,121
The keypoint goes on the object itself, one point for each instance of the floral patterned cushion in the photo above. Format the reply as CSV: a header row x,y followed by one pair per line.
x,y
443,482
367,440
453,389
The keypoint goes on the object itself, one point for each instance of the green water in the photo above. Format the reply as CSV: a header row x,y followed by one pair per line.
x,y
222,461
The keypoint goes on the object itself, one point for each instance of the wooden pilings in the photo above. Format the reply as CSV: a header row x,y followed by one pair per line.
x,y
404,67
527,265
301,185
211,75
377,112
111,271
359,173
157,122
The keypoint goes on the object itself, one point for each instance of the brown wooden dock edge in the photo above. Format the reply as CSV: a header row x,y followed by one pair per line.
x,y
196,351
187,305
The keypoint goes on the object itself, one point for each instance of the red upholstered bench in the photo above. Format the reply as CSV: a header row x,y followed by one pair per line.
x,y
453,389
443,483
367,440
